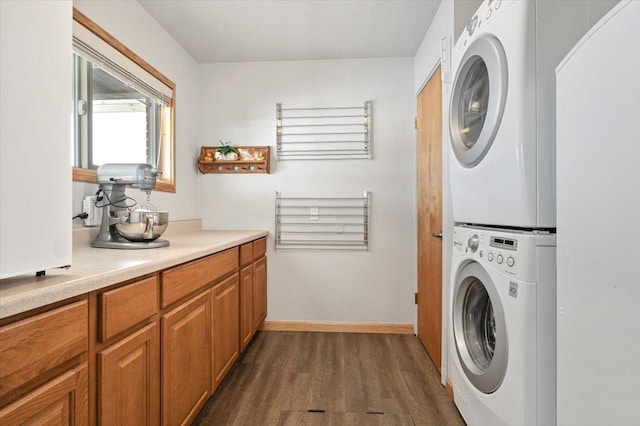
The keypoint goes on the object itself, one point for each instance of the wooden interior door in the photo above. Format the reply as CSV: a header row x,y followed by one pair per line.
x,y
429,190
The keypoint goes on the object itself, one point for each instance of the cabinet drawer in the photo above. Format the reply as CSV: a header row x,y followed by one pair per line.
x,y
246,253
183,280
127,306
62,401
37,345
259,248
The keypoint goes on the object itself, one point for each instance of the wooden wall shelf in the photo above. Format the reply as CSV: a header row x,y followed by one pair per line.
x,y
253,159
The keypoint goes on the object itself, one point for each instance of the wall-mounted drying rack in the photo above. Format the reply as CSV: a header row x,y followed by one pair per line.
x,y
322,223
324,133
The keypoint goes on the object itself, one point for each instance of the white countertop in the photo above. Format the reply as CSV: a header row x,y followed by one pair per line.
x,y
96,268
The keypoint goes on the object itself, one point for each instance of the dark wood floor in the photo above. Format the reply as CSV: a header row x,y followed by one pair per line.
x,y
298,378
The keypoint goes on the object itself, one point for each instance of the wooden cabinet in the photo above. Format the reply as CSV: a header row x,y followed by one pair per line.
x,y
246,254
128,380
226,327
61,401
186,360
179,282
47,351
41,347
253,289
259,291
124,356
146,352
247,325
259,248
126,306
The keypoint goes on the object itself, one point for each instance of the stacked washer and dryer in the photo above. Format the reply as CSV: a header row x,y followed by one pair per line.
x,y
502,175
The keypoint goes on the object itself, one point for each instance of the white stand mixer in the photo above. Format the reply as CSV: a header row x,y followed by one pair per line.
x,y
122,228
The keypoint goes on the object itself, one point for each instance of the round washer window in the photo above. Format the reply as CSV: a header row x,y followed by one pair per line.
x,y
479,328
479,324
478,100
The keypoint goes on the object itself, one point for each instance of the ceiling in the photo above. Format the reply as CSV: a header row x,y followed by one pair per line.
x,y
281,30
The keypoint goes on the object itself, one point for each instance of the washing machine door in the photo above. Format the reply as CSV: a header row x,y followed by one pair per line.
x,y
478,99
479,328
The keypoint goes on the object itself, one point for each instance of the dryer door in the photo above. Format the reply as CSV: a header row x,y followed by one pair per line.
x,y
478,100
479,328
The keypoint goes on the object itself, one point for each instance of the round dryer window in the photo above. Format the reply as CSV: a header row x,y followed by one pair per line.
x,y
478,99
479,328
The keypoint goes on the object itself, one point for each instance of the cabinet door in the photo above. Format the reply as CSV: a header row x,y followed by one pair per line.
x,y
247,326
186,360
128,380
226,324
62,401
259,291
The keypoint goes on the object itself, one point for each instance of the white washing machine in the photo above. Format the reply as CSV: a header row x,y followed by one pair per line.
x,y
502,353
502,111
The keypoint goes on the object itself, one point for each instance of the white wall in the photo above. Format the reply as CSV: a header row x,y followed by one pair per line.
x,y
427,59
130,23
237,104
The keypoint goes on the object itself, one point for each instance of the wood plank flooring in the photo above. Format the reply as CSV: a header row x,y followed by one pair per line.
x,y
302,378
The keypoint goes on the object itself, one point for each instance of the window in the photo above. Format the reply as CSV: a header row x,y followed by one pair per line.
x,y
123,107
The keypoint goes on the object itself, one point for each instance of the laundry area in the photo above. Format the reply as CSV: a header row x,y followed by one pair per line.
x,y
288,212
526,106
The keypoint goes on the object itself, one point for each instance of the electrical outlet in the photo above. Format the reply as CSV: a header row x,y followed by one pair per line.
x,y
94,213
314,214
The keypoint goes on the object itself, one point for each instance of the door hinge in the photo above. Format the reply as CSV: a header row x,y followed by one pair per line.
x,y
416,298
415,123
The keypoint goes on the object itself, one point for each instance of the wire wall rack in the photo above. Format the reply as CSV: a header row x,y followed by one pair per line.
x,y
324,133
322,223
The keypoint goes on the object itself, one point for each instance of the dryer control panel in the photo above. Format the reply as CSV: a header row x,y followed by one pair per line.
x,y
487,11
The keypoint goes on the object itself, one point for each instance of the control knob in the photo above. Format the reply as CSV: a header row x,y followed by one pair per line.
x,y
471,26
473,243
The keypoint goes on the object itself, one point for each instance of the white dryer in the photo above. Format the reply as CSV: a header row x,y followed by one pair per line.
x,y
502,353
502,111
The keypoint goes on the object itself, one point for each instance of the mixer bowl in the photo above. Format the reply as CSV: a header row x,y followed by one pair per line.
x,y
142,225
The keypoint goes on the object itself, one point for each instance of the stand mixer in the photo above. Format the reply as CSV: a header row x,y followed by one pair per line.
x,y
122,228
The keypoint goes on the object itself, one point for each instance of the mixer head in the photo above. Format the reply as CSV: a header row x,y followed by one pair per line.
x,y
142,176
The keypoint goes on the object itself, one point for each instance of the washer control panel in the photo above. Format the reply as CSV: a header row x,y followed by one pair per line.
x,y
514,253
490,247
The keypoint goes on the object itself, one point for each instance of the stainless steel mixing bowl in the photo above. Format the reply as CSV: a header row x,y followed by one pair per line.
x,y
142,225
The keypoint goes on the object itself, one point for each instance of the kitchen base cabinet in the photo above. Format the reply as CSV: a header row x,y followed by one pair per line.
x,y
226,327
186,360
61,401
128,380
147,351
259,291
247,325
